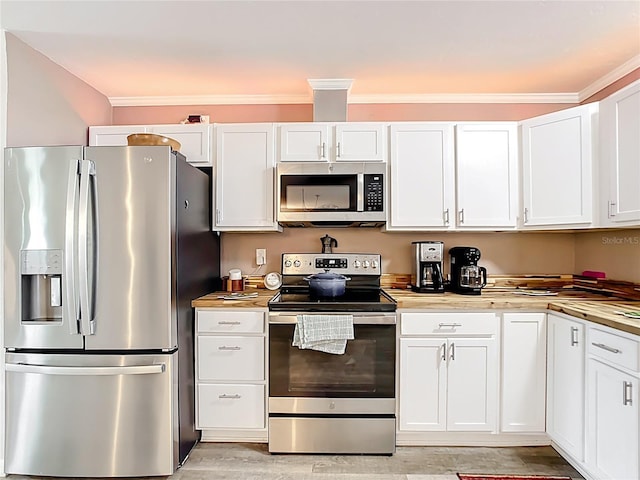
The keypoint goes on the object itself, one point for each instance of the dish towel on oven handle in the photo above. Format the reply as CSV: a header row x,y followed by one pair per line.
x,y
325,333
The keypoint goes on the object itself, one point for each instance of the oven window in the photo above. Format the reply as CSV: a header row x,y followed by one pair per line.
x,y
366,370
318,193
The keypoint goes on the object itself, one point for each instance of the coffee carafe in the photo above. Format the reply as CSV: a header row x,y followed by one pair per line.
x,y
467,277
426,269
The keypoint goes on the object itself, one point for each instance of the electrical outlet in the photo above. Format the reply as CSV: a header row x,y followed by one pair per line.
x,y
261,256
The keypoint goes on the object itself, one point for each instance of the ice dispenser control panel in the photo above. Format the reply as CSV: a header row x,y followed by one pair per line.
x,y
41,273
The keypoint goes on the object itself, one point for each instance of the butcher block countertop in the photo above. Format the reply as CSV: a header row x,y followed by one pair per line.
x,y
589,306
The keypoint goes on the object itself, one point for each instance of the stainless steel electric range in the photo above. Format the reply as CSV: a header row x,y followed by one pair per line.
x,y
333,403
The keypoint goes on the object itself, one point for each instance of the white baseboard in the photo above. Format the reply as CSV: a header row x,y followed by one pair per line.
x,y
234,436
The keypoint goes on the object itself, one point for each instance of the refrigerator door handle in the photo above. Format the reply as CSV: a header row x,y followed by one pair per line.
x,y
71,303
86,307
55,370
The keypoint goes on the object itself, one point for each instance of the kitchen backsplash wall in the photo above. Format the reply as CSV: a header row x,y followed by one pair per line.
x,y
615,252
502,253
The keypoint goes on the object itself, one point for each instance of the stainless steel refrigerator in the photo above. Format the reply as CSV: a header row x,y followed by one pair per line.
x,y
105,247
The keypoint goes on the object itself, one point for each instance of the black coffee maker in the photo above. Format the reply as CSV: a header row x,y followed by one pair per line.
x,y
467,277
426,269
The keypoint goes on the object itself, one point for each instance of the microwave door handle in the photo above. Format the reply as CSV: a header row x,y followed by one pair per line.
x,y
71,303
360,195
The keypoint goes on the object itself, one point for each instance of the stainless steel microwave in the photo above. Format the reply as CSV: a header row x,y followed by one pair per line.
x,y
331,194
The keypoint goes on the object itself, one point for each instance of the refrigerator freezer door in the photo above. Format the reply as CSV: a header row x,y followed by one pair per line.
x,y
40,207
91,415
132,282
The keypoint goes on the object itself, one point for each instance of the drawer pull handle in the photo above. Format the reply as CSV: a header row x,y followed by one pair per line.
x,y
606,347
225,322
449,325
574,336
626,398
224,347
234,397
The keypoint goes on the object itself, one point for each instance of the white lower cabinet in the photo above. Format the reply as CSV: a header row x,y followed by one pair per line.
x,y
523,382
566,384
448,372
613,429
231,378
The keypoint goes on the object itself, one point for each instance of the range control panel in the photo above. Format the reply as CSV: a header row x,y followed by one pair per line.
x,y
343,263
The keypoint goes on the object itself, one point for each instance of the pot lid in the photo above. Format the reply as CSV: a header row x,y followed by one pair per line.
x,y
327,275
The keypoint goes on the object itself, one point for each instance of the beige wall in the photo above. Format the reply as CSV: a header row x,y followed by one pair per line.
x,y
615,252
46,105
502,253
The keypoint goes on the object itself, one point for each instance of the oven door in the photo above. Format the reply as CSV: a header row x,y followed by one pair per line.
x,y
305,379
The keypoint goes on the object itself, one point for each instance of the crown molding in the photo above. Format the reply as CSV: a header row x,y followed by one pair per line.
x,y
150,101
609,78
468,98
153,101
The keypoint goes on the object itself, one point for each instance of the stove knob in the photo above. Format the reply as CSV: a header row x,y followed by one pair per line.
x,y
356,264
287,263
296,263
365,264
374,264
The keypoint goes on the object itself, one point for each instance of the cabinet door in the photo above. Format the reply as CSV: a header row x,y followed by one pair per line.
x,y
620,154
244,172
194,140
113,136
304,142
486,178
359,142
613,428
472,384
524,360
566,384
557,167
421,183
422,392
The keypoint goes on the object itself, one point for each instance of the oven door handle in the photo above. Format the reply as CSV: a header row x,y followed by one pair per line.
x,y
378,319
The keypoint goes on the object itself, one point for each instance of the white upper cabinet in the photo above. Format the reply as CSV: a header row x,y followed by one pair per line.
x,y
486,175
557,168
194,138
327,142
421,180
620,157
244,178
114,136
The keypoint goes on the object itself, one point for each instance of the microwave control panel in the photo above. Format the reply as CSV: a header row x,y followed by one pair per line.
x,y
373,193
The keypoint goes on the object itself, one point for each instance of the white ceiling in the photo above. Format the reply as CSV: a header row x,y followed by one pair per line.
x,y
391,49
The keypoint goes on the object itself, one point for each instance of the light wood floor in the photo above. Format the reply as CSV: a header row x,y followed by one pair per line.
x,y
248,461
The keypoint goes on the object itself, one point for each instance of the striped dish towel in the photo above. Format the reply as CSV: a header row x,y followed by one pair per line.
x,y
325,333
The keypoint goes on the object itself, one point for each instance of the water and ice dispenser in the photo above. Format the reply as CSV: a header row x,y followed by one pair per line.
x,y
41,275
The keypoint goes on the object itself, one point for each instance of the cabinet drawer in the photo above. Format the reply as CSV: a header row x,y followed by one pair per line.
x,y
218,321
448,324
230,406
230,358
614,348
